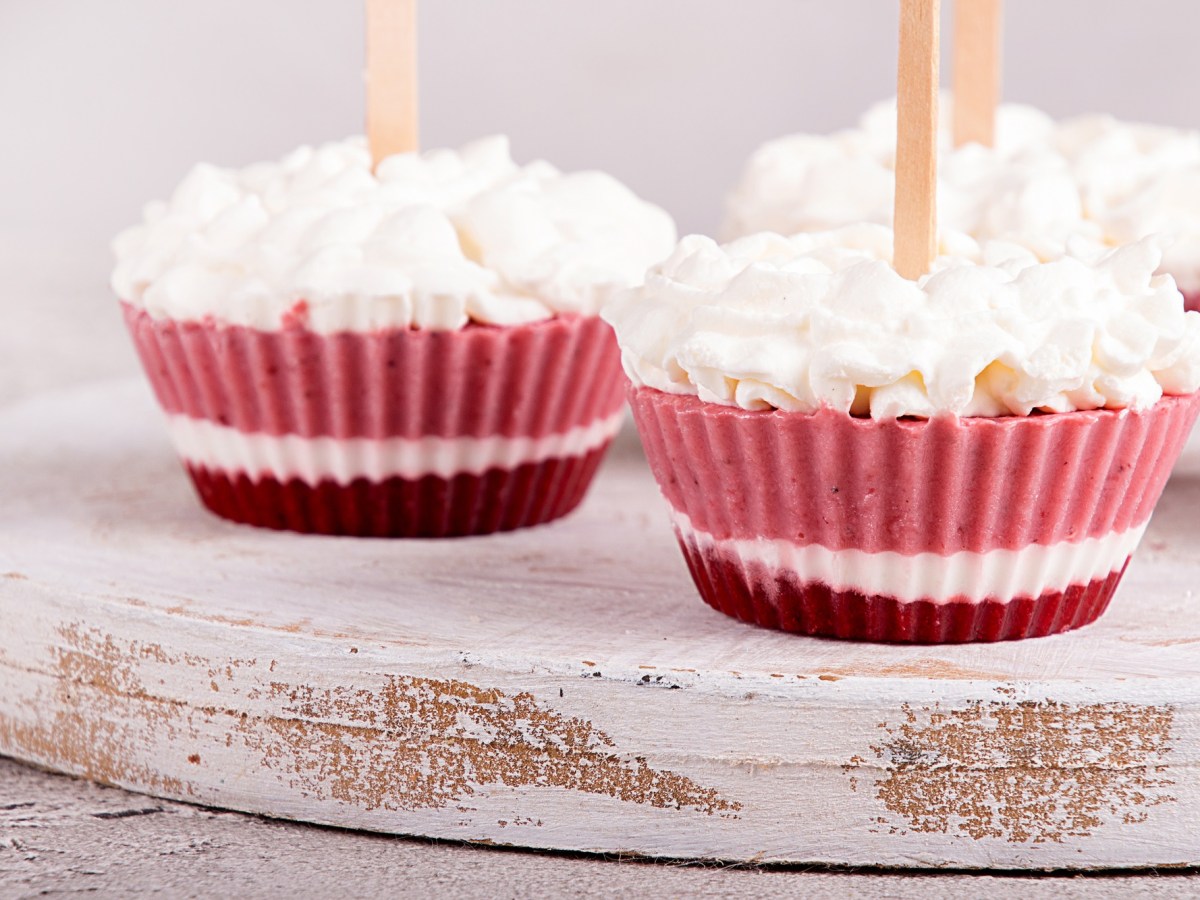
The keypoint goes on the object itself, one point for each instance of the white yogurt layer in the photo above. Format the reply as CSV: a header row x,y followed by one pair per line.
x,y
220,448
996,574
822,320
427,241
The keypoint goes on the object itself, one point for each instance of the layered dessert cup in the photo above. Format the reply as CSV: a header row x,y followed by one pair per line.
x,y
409,352
904,530
395,432
848,454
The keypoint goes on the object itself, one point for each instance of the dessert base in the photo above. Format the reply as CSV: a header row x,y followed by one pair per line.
x,y
777,599
431,506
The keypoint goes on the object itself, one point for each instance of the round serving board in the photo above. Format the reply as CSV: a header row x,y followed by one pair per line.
x,y
563,687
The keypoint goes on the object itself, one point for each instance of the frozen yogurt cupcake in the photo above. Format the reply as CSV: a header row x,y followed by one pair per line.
x,y
410,351
1043,182
848,453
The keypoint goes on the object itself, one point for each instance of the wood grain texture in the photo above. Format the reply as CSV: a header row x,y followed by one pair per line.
x,y
916,137
977,43
392,92
562,687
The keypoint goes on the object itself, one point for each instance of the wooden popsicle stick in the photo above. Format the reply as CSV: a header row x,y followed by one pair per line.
x,y
977,25
916,138
391,77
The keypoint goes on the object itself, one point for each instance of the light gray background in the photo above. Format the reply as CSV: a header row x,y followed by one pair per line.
x,y
106,103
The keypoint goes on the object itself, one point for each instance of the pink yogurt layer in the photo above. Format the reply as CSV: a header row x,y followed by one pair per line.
x,y
910,486
1191,300
528,380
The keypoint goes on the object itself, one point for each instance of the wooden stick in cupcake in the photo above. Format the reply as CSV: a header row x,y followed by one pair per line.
x,y
392,110
916,138
976,70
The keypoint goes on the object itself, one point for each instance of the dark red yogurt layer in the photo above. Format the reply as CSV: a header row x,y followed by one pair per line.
x,y
497,500
780,599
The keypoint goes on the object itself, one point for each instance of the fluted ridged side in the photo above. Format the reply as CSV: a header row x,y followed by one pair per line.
x,y
531,381
939,486
498,500
527,380
776,599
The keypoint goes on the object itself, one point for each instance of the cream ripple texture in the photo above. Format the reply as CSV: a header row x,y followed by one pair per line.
x,y
993,575
312,460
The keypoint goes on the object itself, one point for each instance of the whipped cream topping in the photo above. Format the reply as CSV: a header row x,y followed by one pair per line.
x,y
822,319
1021,190
426,241
1136,180
1042,183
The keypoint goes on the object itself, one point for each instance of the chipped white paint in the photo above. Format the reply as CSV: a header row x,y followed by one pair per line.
x,y
562,687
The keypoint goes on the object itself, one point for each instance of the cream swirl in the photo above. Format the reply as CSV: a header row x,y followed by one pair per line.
x,y
822,319
1042,183
427,241
1021,190
1136,180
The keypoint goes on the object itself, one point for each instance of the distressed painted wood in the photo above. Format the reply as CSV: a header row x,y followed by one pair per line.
x,y
562,687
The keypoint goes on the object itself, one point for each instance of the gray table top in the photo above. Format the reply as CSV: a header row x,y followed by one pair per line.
x,y
59,835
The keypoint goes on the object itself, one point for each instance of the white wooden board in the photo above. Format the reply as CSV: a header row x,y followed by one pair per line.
x,y
563,687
